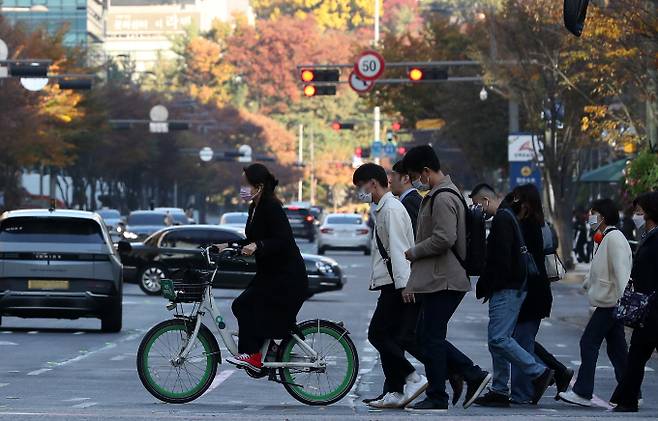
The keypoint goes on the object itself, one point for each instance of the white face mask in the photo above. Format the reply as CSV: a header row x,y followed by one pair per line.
x,y
419,185
364,197
594,222
639,221
247,194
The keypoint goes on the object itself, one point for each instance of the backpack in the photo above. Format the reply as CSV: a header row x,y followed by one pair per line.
x,y
476,236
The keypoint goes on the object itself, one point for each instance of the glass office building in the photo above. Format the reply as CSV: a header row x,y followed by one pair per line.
x,y
83,19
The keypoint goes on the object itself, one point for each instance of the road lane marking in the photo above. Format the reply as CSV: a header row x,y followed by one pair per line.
x,y
219,379
76,400
7,343
648,369
39,371
6,331
560,345
88,354
118,358
78,333
32,332
4,384
85,405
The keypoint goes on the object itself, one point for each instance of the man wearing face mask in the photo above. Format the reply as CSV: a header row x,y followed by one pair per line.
x,y
408,195
390,273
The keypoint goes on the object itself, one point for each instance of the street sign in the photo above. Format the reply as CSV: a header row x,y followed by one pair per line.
x,y
159,113
369,65
157,127
358,85
524,173
521,148
377,148
206,154
245,153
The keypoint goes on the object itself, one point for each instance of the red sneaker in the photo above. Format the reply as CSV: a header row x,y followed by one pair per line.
x,y
253,361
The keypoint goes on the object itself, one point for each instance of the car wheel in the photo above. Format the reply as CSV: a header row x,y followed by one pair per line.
x,y
367,252
112,320
149,279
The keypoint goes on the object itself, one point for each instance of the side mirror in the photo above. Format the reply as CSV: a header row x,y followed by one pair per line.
x,y
124,247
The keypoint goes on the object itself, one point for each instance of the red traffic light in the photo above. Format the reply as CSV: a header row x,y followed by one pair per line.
x,y
415,74
358,151
396,126
307,75
310,90
402,150
335,125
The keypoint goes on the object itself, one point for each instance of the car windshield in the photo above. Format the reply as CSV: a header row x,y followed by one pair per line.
x,y
235,218
51,230
109,214
180,218
146,219
297,212
349,220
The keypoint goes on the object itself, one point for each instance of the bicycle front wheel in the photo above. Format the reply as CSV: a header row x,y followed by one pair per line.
x,y
335,349
168,377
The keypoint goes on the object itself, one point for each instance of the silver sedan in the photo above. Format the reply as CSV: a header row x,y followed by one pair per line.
x,y
341,231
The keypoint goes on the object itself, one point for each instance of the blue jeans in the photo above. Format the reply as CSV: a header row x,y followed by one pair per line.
x,y
504,308
524,335
601,326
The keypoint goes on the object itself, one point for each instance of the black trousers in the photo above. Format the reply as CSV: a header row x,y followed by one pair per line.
x,y
549,359
643,342
438,354
244,308
385,332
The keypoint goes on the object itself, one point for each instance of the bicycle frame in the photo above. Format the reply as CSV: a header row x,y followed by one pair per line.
x,y
209,306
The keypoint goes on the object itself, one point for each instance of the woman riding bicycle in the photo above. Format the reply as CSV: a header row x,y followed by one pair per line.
x,y
268,308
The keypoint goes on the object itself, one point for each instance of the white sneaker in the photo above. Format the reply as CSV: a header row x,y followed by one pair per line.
x,y
413,389
392,400
572,397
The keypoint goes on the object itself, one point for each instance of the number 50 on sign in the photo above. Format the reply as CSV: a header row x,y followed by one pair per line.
x,y
369,65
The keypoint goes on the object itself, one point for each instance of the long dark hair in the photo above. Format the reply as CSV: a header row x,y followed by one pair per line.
x,y
528,195
259,175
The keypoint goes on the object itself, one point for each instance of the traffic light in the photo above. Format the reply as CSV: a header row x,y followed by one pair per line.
x,y
402,150
313,90
396,126
365,152
319,75
358,151
337,125
75,84
418,74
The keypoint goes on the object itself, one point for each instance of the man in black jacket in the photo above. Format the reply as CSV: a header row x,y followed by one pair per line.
x,y
402,188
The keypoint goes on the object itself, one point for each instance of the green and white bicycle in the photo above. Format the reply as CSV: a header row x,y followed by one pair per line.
x,y
317,363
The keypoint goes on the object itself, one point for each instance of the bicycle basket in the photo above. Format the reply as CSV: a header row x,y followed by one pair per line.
x,y
186,285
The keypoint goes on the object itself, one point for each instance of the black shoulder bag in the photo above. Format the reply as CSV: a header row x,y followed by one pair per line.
x,y
385,256
528,264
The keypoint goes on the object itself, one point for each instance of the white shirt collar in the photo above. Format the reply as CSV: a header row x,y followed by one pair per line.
x,y
405,194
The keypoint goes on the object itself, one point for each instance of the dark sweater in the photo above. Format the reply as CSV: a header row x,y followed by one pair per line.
x,y
645,274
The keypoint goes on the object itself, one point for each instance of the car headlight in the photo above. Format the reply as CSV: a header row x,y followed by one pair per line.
x,y
130,235
324,267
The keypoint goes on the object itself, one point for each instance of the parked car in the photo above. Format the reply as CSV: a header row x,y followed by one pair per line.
x,y
111,217
301,221
341,231
234,220
173,248
60,264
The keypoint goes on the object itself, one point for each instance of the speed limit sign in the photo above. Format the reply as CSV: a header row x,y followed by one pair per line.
x,y
359,85
369,65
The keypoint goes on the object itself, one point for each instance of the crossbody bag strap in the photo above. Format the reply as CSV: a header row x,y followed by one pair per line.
x,y
384,254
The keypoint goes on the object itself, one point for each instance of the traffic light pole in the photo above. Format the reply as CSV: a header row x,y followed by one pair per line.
x,y
300,161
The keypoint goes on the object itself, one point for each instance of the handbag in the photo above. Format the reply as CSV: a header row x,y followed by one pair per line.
x,y
633,307
528,264
554,268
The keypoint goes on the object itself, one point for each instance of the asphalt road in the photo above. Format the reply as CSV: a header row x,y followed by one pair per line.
x,y
68,370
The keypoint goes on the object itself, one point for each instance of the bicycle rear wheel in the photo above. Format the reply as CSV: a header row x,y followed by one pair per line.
x,y
334,347
177,381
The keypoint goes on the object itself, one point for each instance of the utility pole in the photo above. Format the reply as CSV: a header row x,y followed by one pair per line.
x,y
300,161
312,167
376,111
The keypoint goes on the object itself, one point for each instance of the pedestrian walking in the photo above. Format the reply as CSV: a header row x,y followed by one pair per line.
x,y
644,276
506,282
390,273
439,279
607,278
537,304
408,195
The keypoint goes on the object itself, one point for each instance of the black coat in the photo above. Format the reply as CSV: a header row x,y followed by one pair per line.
x,y
411,203
502,269
280,285
645,275
538,302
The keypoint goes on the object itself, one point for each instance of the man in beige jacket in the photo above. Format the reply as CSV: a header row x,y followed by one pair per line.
x,y
438,278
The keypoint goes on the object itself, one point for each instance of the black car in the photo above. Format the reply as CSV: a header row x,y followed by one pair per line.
x,y
301,221
177,247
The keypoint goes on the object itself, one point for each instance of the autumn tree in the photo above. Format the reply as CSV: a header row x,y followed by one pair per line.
x,y
336,14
